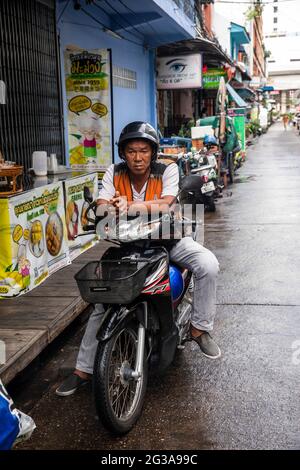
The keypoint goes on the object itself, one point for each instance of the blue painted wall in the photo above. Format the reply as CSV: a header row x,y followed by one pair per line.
x,y
128,104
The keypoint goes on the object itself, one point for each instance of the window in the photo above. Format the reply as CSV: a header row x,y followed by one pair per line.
x,y
275,19
275,9
123,77
275,29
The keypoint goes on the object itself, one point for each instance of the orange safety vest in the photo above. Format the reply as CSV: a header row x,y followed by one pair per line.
x,y
154,188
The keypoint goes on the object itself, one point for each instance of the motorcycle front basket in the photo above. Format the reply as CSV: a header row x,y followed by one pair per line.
x,y
112,281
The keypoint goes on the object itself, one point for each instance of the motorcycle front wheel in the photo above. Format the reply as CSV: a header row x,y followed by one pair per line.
x,y
119,398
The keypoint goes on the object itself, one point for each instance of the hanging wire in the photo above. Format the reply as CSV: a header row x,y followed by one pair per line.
x,y
251,2
132,11
121,16
106,27
64,9
119,24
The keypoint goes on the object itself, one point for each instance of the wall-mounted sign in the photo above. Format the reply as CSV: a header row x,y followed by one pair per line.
x,y
211,78
180,71
88,87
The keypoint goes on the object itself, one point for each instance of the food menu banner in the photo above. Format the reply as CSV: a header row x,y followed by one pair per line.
x,y
88,89
76,212
33,237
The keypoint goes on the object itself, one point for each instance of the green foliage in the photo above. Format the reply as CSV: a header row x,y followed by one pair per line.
x,y
267,53
185,130
252,127
254,12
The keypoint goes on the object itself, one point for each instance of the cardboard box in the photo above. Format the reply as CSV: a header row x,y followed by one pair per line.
x,y
173,150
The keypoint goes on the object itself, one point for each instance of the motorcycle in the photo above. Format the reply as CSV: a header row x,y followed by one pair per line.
x,y
147,310
203,165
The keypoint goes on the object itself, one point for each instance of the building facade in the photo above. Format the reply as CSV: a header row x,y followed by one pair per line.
x,y
35,37
282,36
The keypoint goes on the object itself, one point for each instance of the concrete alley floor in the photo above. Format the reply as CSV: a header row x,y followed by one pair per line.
x,y
249,399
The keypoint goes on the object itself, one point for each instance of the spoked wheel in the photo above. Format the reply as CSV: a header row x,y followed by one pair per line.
x,y
118,395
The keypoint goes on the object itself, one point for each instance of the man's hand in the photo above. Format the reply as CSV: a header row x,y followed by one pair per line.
x,y
120,202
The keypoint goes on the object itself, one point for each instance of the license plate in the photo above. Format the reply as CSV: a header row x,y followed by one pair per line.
x,y
212,160
208,187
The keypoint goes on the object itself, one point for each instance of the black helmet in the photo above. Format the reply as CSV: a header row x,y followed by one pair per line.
x,y
138,130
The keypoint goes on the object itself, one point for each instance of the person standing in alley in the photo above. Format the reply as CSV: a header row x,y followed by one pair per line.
x,y
285,121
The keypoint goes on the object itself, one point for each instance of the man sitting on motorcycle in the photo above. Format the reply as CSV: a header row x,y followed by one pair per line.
x,y
137,180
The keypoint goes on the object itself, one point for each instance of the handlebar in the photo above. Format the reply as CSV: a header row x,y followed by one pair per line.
x,y
88,228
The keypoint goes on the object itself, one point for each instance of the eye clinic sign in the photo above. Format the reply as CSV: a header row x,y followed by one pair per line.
x,y
180,71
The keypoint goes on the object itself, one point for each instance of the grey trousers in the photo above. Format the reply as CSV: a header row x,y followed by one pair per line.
x,y
188,254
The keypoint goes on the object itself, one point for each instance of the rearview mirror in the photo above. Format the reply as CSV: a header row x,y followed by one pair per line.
x,y
87,194
191,183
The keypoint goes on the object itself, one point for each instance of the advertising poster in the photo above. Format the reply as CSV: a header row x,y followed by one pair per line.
x,y
76,215
182,71
33,237
88,89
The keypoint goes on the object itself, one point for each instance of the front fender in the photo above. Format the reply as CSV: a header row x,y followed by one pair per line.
x,y
115,321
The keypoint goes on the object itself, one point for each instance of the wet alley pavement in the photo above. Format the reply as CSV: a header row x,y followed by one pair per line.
x,y
249,399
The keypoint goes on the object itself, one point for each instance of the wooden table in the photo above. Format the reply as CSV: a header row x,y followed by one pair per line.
x,y
11,172
32,321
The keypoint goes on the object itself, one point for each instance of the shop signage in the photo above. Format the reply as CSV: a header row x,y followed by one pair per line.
x,y
32,238
76,215
180,71
211,78
88,89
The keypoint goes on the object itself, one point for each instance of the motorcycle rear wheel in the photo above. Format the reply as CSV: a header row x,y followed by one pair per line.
x,y
210,205
119,400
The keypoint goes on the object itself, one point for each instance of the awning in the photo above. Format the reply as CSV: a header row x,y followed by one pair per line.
x,y
246,94
212,52
240,34
236,97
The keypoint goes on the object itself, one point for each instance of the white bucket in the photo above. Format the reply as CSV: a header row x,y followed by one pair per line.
x,y
39,163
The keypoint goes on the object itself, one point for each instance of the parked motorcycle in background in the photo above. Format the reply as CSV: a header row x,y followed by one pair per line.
x,y
196,163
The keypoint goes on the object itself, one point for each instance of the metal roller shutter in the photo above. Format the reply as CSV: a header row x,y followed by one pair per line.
x,y
31,118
